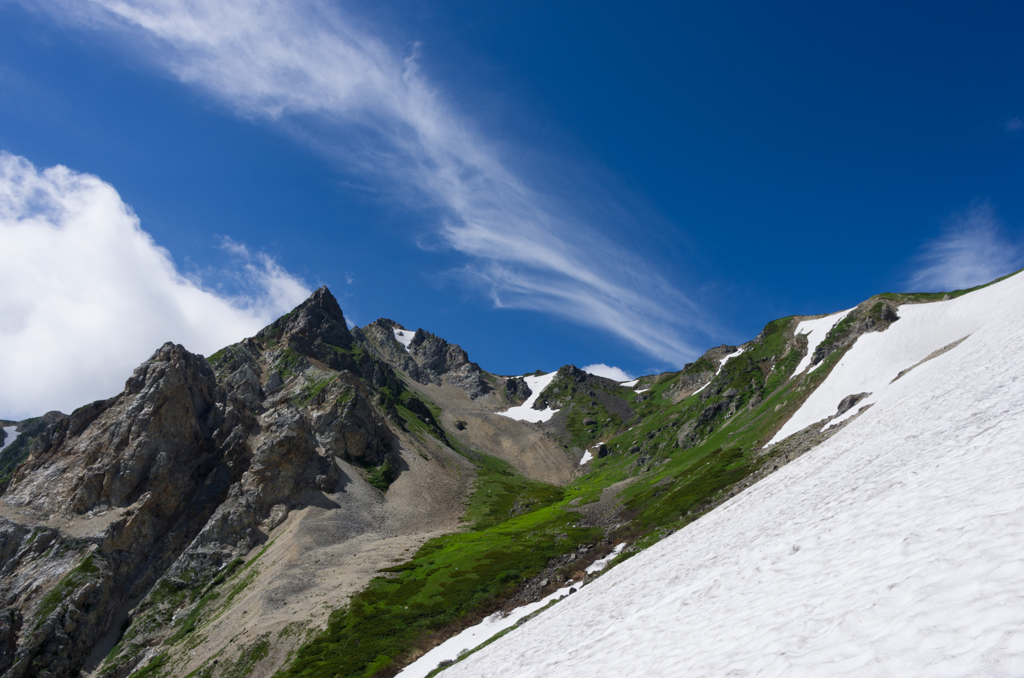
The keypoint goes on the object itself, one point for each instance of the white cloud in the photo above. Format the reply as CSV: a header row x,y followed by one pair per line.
x,y
608,371
972,250
87,294
313,71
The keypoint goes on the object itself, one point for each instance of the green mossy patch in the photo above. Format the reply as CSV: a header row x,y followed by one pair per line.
x,y
382,476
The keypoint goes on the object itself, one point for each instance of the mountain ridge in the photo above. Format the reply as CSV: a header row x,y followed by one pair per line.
x,y
143,512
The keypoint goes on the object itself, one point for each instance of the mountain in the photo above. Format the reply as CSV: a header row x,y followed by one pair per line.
x,y
319,500
892,549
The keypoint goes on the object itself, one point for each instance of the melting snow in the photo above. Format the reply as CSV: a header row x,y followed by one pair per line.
x,y
720,366
475,635
587,456
630,384
404,337
816,330
602,563
892,549
878,357
12,433
525,412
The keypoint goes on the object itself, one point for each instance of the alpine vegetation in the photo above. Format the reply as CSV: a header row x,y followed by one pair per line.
x,y
839,495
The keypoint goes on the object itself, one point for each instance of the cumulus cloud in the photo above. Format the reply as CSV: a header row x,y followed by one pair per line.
x,y
608,371
88,295
973,249
313,71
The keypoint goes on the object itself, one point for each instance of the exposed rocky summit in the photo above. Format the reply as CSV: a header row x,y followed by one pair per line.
x,y
428,359
188,468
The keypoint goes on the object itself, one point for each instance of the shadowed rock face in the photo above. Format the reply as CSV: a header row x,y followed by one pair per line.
x,y
188,468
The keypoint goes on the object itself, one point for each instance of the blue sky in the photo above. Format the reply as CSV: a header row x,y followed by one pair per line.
x,y
541,182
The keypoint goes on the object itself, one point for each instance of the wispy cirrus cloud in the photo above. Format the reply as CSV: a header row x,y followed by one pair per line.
x,y
313,71
973,249
87,294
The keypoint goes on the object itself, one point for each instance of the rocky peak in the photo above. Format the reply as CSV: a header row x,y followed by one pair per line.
x,y
429,358
316,321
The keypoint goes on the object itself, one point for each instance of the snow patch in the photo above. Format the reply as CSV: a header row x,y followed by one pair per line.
x,y
602,563
587,456
720,366
630,384
892,549
404,337
12,433
525,412
816,331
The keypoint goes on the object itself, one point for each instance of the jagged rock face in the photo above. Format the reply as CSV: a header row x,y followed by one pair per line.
x,y
429,358
188,468
144,455
147,440
517,390
347,423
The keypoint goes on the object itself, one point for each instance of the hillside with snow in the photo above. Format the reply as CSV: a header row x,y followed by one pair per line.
x,y
893,548
840,495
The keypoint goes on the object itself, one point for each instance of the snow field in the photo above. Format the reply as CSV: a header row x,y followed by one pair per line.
x,y
878,357
816,331
525,412
893,549
404,337
474,636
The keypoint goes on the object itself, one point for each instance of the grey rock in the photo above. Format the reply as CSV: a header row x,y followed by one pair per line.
x,y
849,401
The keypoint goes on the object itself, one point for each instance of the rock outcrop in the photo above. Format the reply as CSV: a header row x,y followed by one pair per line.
x,y
428,358
188,468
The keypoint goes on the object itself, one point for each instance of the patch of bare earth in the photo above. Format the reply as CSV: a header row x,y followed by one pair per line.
x,y
322,554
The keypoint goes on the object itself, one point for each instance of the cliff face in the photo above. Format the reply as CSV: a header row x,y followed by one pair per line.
x,y
190,467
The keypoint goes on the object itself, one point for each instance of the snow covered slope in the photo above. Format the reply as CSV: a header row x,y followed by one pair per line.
x,y
878,357
894,548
